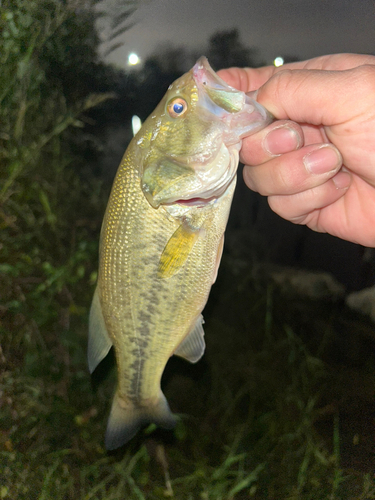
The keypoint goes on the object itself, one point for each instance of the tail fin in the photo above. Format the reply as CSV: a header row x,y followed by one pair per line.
x,y
124,423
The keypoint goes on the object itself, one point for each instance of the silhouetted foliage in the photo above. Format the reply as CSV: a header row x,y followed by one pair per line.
x,y
70,59
43,200
225,49
114,21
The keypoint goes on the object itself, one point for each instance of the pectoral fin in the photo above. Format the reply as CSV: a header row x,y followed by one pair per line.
x,y
99,341
177,250
193,346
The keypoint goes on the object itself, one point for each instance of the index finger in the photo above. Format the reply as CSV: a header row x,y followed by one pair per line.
x,y
249,79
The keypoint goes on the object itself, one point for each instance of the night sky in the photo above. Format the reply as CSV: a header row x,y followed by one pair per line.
x,y
301,28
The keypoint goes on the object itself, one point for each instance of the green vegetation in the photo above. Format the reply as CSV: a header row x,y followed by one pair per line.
x,y
271,411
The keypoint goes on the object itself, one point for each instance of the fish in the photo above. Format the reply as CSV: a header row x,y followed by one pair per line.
x,y
162,239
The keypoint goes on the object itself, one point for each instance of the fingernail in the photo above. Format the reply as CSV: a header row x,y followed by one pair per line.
x,y
282,140
342,180
323,160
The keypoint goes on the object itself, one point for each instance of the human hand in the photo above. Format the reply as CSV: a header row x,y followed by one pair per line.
x,y
297,164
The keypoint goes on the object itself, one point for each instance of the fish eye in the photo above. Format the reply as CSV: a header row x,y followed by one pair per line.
x,y
177,107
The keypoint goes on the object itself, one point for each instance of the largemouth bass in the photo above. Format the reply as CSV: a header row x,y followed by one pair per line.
x,y
162,239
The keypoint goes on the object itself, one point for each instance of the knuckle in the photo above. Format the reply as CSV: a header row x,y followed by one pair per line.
x,y
284,180
281,81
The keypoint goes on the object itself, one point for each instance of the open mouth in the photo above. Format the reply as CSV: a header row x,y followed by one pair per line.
x,y
195,202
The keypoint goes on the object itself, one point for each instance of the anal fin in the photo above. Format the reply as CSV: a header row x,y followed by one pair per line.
x,y
193,346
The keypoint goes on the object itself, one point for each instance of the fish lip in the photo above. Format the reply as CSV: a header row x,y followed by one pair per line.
x,y
205,75
252,116
195,201
202,193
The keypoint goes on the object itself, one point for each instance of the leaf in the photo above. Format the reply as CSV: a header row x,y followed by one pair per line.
x,y
95,99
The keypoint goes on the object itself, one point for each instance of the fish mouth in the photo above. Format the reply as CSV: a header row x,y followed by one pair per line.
x,y
240,113
203,74
195,202
203,178
208,183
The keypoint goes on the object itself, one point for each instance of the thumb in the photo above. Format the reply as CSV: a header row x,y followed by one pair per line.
x,y
317,97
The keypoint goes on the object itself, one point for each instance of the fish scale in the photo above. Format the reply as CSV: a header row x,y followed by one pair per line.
x,y
161,241
137,222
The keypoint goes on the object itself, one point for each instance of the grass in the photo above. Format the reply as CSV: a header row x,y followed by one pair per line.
x,y
260,416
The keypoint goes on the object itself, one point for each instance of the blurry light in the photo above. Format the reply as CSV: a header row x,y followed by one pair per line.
x,y
136,124
279,61
133,59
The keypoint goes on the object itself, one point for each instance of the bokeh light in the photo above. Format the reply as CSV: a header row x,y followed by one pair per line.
x,y
133,59
279,61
